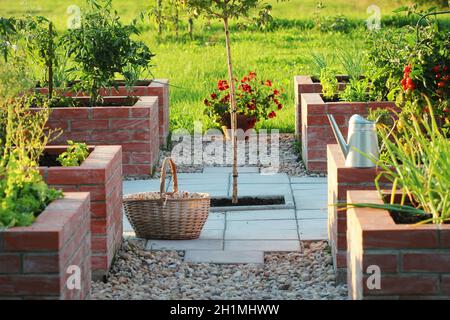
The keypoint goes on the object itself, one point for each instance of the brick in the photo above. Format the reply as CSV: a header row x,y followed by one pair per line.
x,y
75,175
137,147
426,262
31,241
114,137
99,244
141,136
133,169
131,124
108,113
140,112
9,263
141,157
19,285
98,209
57,124
386,262
70,113
40,263
445,284
401,239
405,285
89,124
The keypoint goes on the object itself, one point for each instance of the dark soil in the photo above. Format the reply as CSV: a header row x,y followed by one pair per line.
x,y
49,160
406,218
248,201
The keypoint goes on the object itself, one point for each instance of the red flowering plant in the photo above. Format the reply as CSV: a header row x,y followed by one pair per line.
x,y
256,100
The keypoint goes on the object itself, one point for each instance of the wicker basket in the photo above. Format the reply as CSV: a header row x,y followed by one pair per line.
x,y
167,215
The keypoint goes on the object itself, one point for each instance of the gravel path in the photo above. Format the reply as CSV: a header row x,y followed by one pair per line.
x,y
139,274
290,160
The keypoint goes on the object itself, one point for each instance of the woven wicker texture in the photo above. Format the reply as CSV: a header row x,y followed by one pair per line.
x,y
167,215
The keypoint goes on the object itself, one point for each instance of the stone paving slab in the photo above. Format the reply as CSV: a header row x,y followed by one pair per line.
x,y
263,189
311,214
261,225
260,215
216,216
263,245
310,187
264,179
308,180
214,225
313,229
243,170
266,234
137,186
224,257
311,204
181,245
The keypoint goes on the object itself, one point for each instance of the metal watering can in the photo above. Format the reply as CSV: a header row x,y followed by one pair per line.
x,y
362,142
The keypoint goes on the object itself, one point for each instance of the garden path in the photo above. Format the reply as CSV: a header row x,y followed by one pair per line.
x,y
244,236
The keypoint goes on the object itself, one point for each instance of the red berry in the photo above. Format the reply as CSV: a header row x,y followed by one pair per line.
x,y
438,76
403,82
445,68
409,81
407,69
441,84
436,69
412,86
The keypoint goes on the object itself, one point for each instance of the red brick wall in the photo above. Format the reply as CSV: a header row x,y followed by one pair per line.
x,y
305,84
34,260
316,129
340,180
158,88
135,128
101,175
414,260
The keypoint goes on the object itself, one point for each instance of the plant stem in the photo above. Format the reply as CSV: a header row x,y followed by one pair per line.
x,y
50,61
159,9
233,110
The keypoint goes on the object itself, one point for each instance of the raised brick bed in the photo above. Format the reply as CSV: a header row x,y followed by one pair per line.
x,y
309,84
414,260
316,129
158,88
135,128
34,260
340,180
101,175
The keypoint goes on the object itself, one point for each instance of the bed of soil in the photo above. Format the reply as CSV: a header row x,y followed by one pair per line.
x,y
407,218
248,201
49,160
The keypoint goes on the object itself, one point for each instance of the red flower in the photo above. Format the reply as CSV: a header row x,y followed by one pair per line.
x,y
225,99
214,96
244,80
280,106
272,115
251,106
246,88
206,102
252,75
276,92
222,85
268,83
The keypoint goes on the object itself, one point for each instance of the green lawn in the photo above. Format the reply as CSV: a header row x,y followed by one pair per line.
x,y
194,67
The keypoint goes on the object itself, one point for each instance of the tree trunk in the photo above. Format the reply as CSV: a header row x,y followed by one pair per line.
x,y
233,111
50,61
191,28
159,9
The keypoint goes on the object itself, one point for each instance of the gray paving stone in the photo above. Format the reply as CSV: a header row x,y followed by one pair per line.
x,y
137,186
261,225
243,170
224,257
211,234
265,234
313,229
280,178
216,216
311,204
308,180
310,187
260,215
262,189
312,214
214,225
202,176
182,245
263,245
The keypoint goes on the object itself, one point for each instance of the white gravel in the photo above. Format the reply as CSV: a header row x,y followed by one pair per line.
x,y
141,275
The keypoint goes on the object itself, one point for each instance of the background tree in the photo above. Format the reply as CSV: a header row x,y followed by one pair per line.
x,y
225,10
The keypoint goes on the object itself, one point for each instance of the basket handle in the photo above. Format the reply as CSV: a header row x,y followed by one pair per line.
x,y
173,169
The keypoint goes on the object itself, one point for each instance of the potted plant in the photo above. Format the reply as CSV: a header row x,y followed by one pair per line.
x,y
43,232
257,100
404,234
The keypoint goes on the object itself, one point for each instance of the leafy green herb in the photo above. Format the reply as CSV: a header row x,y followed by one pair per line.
x,y
76,153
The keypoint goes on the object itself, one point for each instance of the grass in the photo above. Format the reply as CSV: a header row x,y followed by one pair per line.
x,y
194,67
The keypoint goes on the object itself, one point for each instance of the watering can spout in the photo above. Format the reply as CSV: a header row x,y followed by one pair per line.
x,y
338,134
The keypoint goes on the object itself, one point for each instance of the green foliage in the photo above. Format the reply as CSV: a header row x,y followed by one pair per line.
x,y
357,90
23,192
330,84
103,47
75,154
417,165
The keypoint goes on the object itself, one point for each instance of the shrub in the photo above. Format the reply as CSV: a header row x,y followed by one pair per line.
x,y
103,47
75,154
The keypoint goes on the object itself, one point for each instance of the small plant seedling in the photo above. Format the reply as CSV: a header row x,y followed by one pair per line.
x,y
75,154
